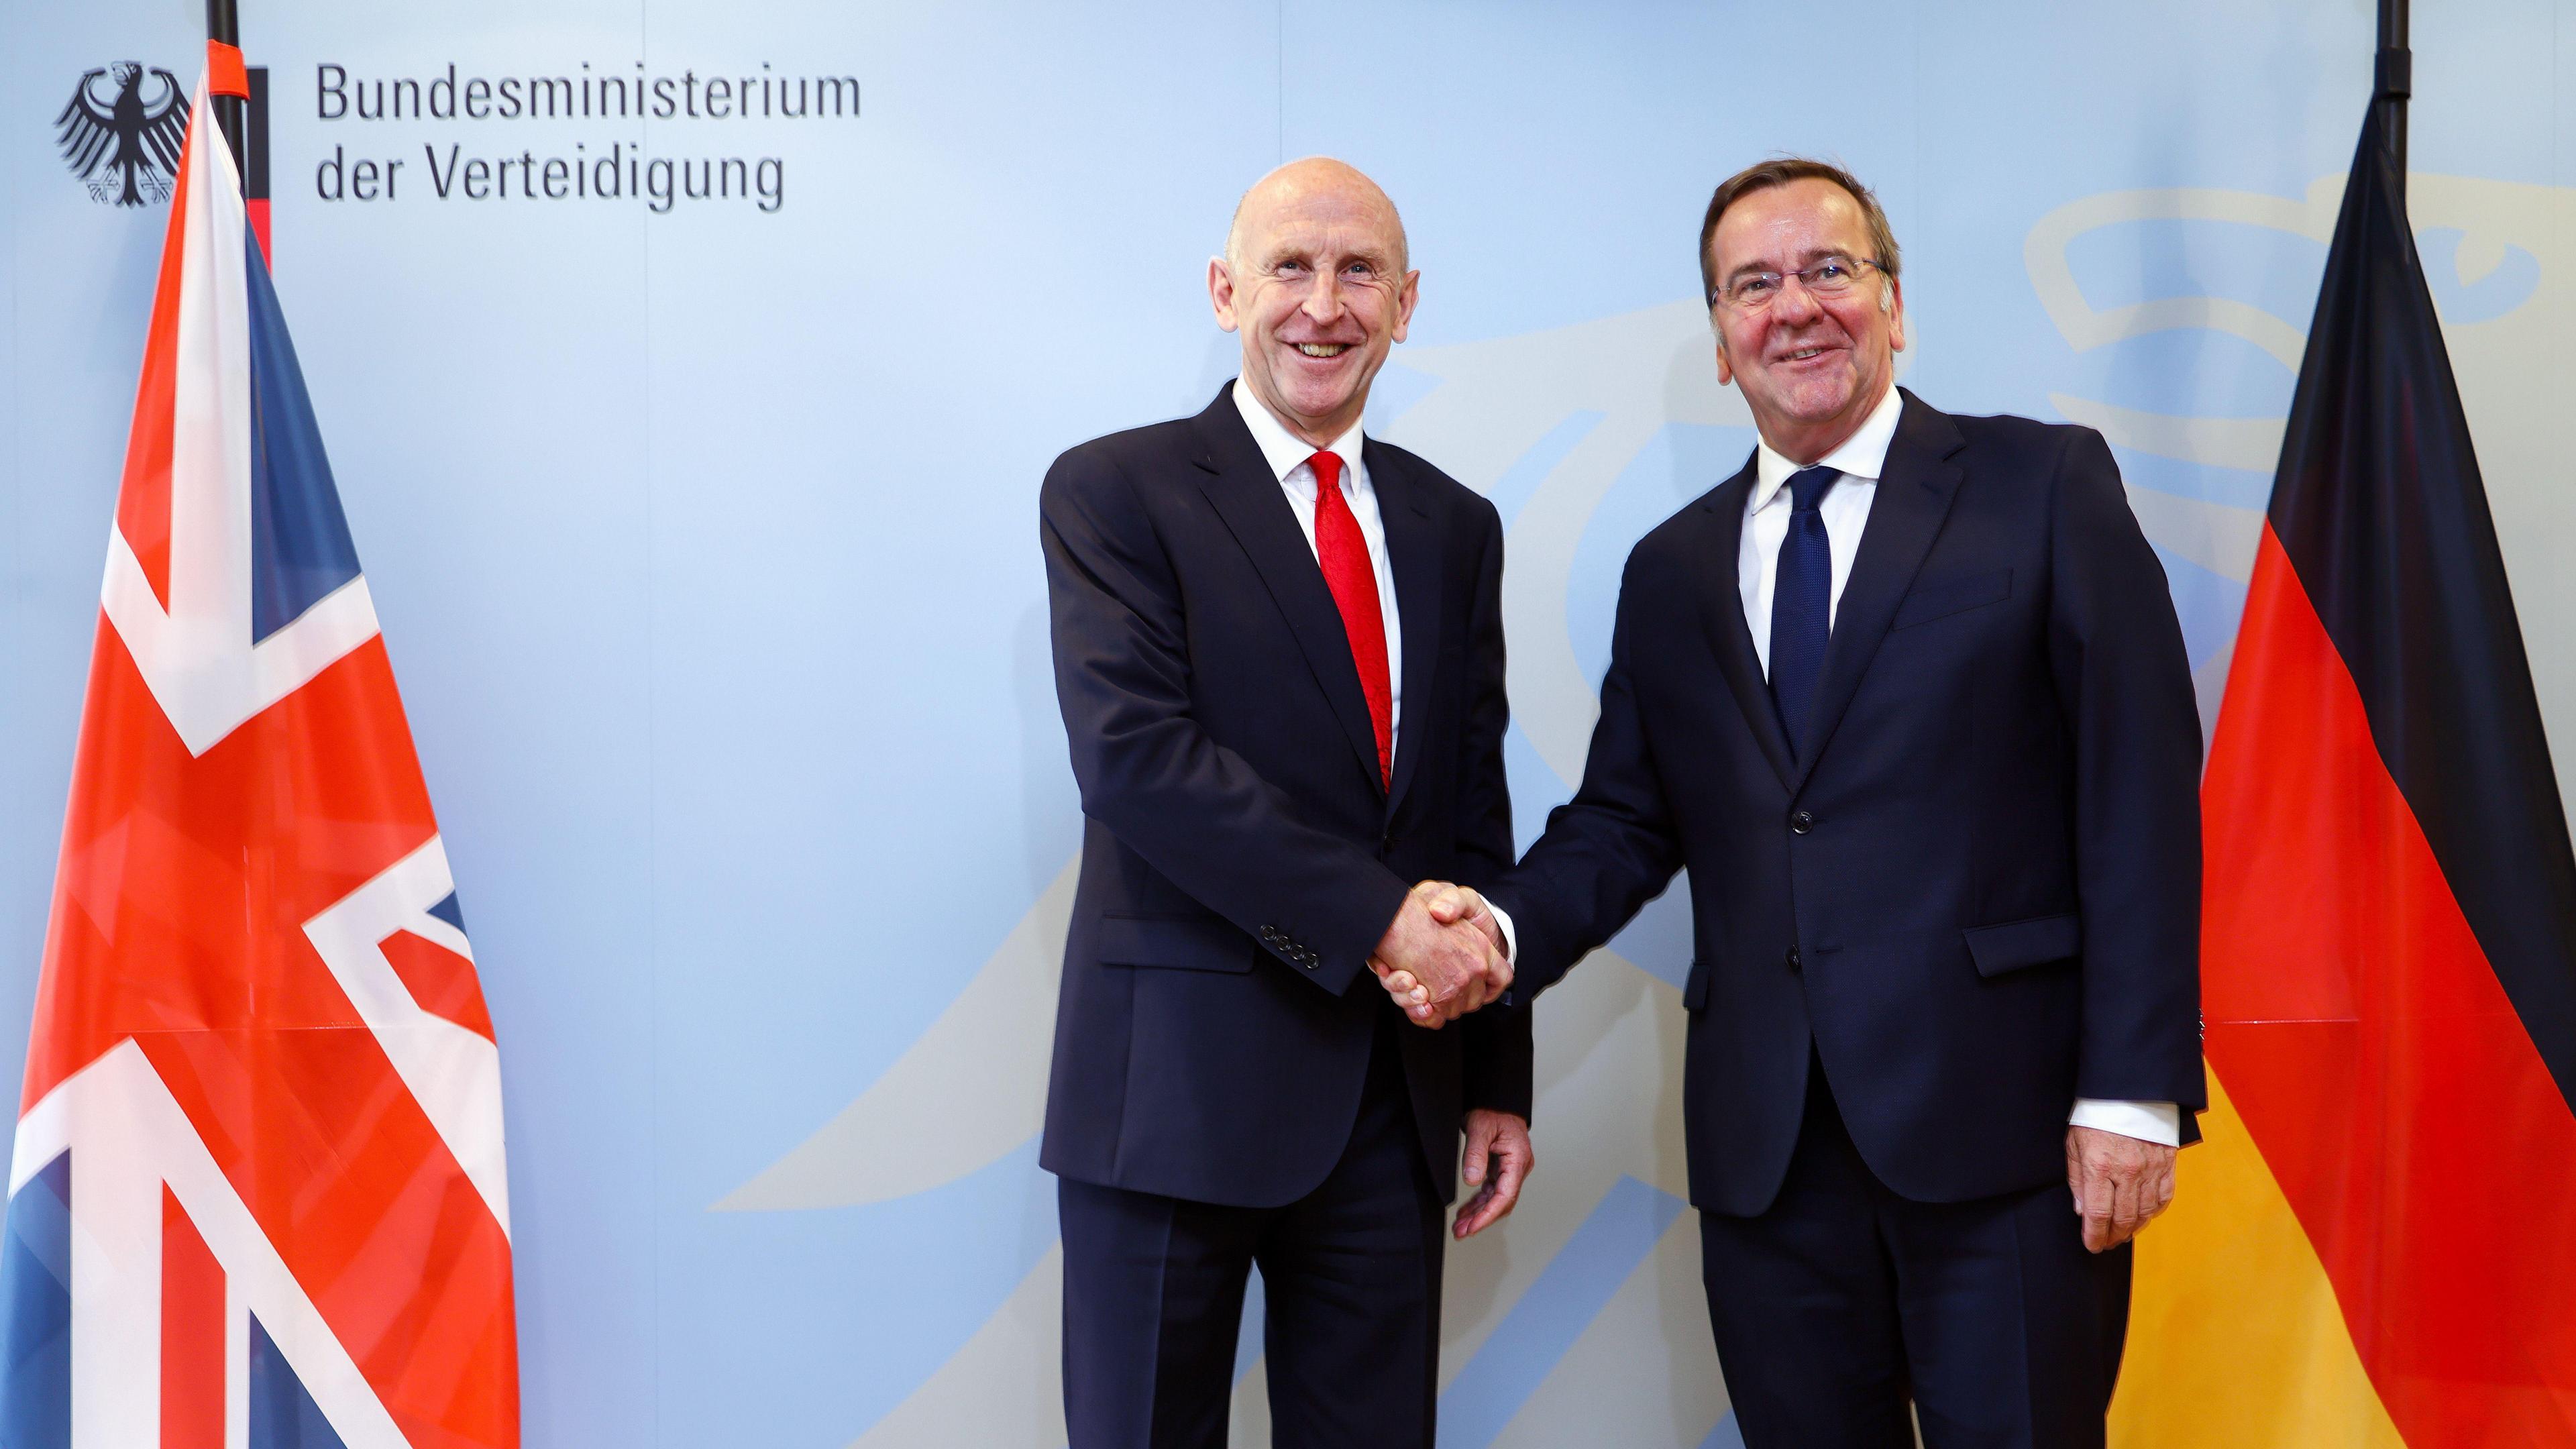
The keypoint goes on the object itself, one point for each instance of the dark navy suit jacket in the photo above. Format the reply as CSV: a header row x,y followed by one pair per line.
x,y
1241,857
1975,886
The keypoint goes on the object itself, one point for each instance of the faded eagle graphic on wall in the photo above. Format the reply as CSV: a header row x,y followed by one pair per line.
x,y
124,145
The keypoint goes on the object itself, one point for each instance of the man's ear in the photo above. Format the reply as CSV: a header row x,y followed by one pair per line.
x,y
1725,373
1405,297
1892,302
1220,280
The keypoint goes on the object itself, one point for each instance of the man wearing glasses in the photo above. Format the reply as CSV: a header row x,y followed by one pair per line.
x,y
1908,699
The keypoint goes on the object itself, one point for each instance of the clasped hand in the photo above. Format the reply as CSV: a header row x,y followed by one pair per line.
x,y
1443,956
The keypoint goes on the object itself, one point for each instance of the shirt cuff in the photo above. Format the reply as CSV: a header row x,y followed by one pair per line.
x,y
2158,1122
1511,940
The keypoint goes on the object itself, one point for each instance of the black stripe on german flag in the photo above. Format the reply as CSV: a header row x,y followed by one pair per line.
x,y
2381,510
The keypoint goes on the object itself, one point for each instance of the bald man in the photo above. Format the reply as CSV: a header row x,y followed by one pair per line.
x,y
1279,651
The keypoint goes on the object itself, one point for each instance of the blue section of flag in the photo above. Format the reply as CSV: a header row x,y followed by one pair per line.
x,y
300,547
36,1312
449,911
282,1412
1573,1289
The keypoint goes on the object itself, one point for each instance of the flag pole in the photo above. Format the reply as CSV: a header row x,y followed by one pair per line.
x,y
223,22
2395,82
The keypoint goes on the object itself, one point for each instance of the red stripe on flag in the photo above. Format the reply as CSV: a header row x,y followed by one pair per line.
x,y
192,1334
376,1220
2374,1055
143,500
442,982
185,883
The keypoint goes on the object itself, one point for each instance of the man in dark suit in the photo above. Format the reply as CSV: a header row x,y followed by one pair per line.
x,y
1278,647
1907,697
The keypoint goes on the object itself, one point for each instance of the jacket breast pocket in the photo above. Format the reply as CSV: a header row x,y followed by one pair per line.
x,y
1695,989
1944,597
1186,943
2019,945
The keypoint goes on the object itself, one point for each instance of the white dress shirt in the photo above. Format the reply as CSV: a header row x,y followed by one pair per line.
x,y
1845,509
1286,454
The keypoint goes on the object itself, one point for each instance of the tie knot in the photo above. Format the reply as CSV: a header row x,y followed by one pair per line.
x,y
1328,470
1807,488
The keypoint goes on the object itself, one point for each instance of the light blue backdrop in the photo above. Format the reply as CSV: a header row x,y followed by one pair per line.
x,y
704,543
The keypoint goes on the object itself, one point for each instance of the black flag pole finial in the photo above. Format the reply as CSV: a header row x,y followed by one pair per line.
x,y
2394,82
223,22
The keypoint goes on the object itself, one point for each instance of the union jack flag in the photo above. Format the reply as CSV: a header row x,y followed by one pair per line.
x,y
257,1196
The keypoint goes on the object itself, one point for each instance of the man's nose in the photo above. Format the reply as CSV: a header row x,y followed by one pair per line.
x,y
1795,303
1324,299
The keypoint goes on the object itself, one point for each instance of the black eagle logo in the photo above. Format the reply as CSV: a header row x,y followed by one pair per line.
x,y
126,150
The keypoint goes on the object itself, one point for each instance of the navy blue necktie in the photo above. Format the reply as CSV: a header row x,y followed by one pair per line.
x,y
1802,601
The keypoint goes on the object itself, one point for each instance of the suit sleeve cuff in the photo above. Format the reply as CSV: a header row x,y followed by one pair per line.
x,y
2158,1122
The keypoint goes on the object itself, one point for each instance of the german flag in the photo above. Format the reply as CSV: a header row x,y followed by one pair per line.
x,y
2377,1243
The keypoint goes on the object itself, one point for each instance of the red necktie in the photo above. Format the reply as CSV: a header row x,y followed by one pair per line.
x,y
1345,557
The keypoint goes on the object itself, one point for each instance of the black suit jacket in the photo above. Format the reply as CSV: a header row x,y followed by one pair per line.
x,y
1241,858
1976,885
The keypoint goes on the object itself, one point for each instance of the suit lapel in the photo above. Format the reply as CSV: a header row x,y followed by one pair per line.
x,y
1238,483
1414,553
1721,612
1914,493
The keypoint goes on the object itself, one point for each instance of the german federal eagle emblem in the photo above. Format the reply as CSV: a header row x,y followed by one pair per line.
x,y
126,149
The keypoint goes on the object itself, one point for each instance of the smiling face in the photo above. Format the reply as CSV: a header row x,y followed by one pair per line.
x,y
1314,279
1811,368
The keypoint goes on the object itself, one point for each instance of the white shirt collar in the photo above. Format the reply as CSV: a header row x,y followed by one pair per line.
x,y
1862,455
1284,450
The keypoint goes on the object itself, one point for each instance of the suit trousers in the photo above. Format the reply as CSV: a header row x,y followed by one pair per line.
x,y
1844,1301
1350,1274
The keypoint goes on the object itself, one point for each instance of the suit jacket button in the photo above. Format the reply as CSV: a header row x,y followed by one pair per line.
x,y
1793,958
1802,822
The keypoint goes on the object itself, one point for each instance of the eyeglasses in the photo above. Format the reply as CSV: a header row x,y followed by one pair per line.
x,y
1753,291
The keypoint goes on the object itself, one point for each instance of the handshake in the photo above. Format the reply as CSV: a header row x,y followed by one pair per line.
x,y
1443,955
